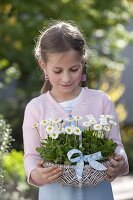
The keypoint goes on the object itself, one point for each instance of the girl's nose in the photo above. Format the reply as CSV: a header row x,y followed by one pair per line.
x,y
66,78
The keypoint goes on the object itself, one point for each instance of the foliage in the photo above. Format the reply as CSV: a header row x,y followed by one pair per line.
x,y
13,162
5,141
56,150
5,136
91,139
15,179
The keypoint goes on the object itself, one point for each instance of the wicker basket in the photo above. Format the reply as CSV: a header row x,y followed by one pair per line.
x,y
90,176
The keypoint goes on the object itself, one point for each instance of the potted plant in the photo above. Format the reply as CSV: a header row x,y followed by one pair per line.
x,y
81,150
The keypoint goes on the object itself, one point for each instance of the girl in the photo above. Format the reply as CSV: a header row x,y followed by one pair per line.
x,y
61,52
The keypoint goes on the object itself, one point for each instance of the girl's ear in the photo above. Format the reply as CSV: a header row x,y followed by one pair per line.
x,y
42,65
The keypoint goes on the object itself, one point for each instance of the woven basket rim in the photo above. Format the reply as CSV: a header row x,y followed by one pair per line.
x,y
66,166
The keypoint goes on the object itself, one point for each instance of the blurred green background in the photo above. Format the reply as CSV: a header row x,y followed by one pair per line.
x,y
104,25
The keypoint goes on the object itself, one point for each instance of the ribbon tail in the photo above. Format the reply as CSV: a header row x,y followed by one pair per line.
x,y
96,165
79,169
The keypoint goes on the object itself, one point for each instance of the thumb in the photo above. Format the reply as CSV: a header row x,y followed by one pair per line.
x,y
39,163
118,157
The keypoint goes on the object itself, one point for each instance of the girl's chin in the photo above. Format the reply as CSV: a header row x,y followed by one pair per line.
x,y
71,89
67,88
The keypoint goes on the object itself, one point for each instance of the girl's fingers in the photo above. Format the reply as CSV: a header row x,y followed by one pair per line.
x,y
39,163
55,177
53,170
45,169
110,169
111,174
114,167
118,157
113,162
53,173
49,169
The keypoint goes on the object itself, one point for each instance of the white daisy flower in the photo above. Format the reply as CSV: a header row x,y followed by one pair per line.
x,y
103,122
92,121
102,117
77,131
69,130
77,118
106,128
109,116
49,129
35,125
112,122
49,119
54,135
69,119
57,120
60,130
86,124
44,122
97,127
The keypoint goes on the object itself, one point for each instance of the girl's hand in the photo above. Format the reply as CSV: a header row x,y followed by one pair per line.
x,y
116,167
47,175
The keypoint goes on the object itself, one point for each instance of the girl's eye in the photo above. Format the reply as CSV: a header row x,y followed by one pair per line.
x,y
74,70
57,72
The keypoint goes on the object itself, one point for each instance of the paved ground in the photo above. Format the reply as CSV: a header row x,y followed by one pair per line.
x,y
123,188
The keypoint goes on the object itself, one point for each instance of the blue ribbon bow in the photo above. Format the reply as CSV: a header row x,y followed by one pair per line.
x,y
91,159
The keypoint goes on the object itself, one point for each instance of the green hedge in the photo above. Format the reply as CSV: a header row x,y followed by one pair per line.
x,y
5,142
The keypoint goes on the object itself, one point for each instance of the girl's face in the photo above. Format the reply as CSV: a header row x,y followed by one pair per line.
x,y
64,71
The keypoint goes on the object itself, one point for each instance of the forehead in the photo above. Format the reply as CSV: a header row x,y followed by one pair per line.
x,y
65,59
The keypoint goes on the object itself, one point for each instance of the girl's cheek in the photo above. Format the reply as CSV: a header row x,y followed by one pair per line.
x,y
54,78
79,76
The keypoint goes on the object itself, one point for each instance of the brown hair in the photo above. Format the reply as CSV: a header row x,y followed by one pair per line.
x,y
59,37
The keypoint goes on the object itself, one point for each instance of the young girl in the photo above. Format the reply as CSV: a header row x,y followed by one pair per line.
x,y
61,52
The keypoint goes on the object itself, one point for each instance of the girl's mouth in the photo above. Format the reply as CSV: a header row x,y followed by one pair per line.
x,y
66,85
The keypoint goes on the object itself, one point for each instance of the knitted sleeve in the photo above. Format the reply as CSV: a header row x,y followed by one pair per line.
x,y
109,109
31,140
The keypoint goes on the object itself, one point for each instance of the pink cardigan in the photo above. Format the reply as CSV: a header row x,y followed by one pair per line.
x,y
91,101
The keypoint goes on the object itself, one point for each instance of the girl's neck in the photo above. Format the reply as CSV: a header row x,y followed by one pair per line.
x,y
65,97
